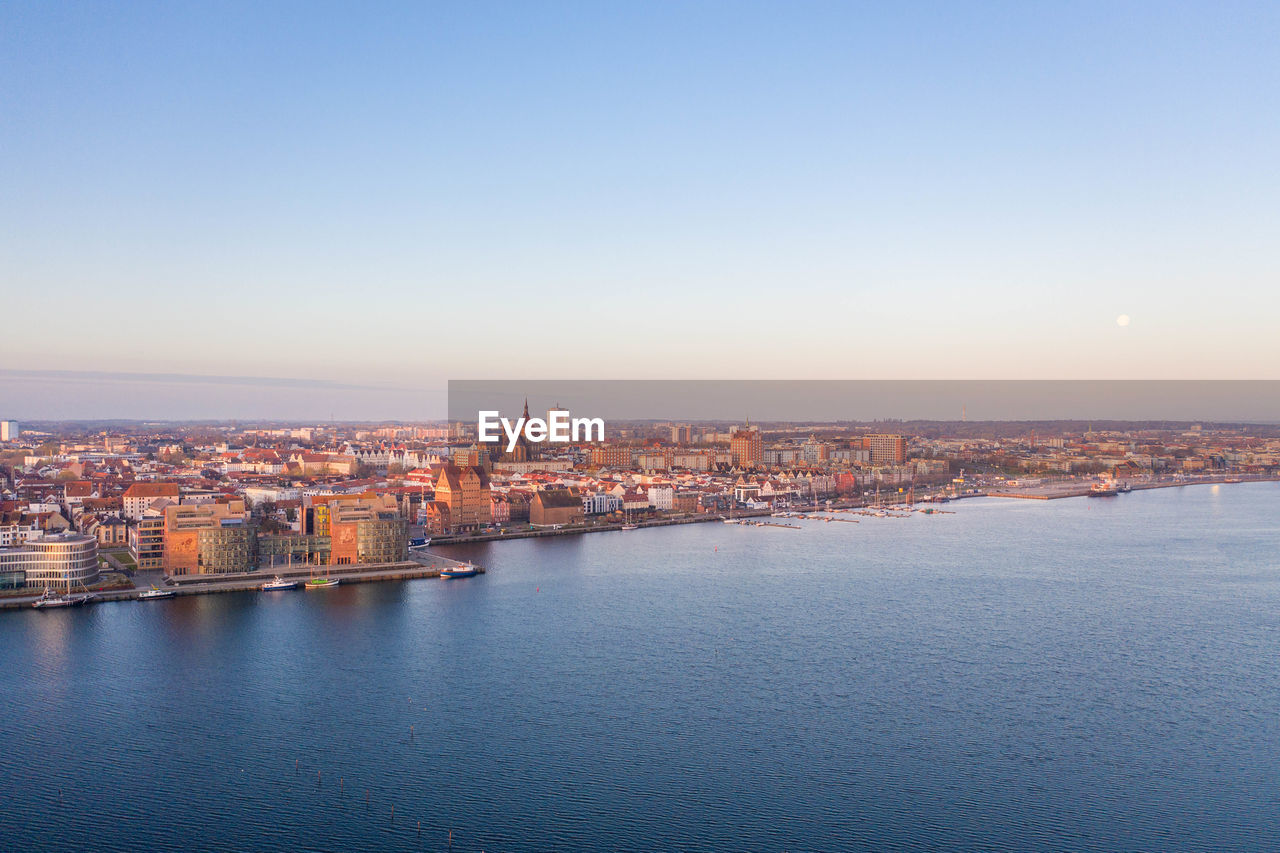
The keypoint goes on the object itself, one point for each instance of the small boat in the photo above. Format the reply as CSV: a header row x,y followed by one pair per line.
x,y
322,583
278,583
420,542
154,594
52,599
630,526
465,570
1102,490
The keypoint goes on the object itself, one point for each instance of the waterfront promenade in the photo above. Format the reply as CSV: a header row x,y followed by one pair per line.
x,y
421,565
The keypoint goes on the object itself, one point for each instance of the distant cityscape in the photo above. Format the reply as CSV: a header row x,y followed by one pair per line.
x,y
101,508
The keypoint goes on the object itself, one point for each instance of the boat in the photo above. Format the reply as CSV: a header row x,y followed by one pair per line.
x,y
154,594
463,570
58,599
278,583
420,542
1102,490
630,526
322,583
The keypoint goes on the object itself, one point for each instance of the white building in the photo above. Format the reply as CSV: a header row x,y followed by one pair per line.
x,y
16,529
602,503
9,430
662,498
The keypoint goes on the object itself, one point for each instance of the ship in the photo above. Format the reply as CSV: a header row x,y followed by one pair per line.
x,y
51,599
154,594
322,583
1102,490
462,570
278,583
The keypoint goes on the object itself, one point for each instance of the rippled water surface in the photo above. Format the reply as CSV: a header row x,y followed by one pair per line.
x,y
1075,674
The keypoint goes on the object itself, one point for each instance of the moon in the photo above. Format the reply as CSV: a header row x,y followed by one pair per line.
x,y
1122,320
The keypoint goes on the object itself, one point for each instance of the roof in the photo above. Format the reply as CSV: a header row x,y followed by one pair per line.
x,y
152,490
559,498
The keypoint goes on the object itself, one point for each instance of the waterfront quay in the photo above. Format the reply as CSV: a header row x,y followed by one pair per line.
x,y
421,565
1075,488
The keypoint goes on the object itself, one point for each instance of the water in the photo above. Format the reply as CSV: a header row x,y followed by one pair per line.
x,y
1076,674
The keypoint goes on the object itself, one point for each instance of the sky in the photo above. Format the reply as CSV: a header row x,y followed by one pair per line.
x,y
364,201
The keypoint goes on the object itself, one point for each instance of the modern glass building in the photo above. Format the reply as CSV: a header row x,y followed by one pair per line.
x,y
63,561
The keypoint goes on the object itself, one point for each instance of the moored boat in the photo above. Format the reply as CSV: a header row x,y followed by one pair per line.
x,y
155,593
52,599
278,583
464,570
1102,490
322,583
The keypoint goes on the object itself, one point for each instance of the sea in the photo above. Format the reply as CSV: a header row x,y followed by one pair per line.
x,y
1078,674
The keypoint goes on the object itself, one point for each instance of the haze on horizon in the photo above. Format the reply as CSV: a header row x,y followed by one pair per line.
x,y
369,201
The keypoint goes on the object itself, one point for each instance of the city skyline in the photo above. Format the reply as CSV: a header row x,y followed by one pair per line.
x,y
823,191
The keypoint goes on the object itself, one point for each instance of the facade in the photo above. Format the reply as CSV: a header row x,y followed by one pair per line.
x,y
207,539
139,496
662,498
231,546
555,507
612,457
17,527
886,449
64,561
601,503
293,549
358,528
146,542
466,492
746,447
9,430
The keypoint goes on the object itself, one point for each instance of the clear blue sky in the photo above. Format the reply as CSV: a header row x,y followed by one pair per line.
x,y
405,193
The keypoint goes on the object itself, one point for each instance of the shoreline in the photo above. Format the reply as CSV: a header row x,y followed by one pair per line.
x,y
424,564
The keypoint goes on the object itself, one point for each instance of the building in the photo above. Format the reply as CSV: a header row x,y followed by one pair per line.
x,y
612,457
662,498
466,492
208,539
886,449
139,496
369,530
146,542
63,561
9,430
601,503
365,528
746,447
553,507
18,527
